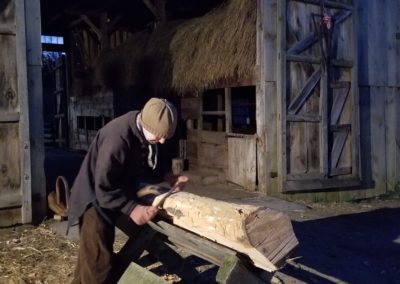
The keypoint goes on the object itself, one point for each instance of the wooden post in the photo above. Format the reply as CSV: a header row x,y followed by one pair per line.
x,y
266,96
281,93
26,178
228,110
233,271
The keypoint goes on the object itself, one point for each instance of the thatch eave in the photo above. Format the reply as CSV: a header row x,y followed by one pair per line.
x,y
189,56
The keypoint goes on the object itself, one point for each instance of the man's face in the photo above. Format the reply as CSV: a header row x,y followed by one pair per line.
x,y
151,138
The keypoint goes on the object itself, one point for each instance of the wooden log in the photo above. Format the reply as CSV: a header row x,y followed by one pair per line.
x,y
266,236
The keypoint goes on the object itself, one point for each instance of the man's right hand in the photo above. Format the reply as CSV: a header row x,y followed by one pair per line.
x,y
142,214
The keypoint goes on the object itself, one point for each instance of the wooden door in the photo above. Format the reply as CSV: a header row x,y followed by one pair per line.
x,y
242,162
318,95
15,187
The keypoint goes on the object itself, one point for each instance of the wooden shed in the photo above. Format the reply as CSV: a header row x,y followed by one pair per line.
x,y
276,95
292,98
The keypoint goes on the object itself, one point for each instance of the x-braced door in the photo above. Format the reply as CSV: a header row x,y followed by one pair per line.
x,y
317,95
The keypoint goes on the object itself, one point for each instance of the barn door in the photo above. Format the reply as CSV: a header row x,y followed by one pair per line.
x,y
242,163
319,140
15,187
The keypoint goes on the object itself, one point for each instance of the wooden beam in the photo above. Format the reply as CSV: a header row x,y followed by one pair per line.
x,y
92,27
317,60
7,29
264,235
337,148
316,118
228,110
312,38
327,3
151,7
193,243
305,92
232,270
9,117
321,184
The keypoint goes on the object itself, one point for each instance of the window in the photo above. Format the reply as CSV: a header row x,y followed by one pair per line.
x,y
230,109
244,110
52,39
92,122
214,110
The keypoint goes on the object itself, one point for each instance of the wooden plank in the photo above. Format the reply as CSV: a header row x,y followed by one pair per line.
x,y
24,145
340,171
338,103
137,274
232,270
7,16
228,110
281,93
355,100
9,117
307,185
212,155
327,3
313,37
194,244
316,118
392,147
213,137
7,29
35,91
10,199
316,60
242,166
190,107
305,176
10,177
266,97
215,112
377,44
393,38
337,148
10,217
305,92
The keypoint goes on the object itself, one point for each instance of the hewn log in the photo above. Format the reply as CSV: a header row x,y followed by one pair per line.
x,y
266,236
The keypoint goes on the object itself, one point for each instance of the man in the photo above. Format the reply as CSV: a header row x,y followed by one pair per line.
x,y
121,155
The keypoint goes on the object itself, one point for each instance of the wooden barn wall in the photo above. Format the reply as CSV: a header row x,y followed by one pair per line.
x,y
22,185
378,35
379,77
85,99
205,150
85,109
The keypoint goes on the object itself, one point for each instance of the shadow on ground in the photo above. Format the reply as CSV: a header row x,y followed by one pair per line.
x,y
61,162
354,248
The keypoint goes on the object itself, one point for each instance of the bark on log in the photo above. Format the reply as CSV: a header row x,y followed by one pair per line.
x,y
265,235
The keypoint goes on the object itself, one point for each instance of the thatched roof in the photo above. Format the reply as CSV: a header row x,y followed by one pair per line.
x,y
188,56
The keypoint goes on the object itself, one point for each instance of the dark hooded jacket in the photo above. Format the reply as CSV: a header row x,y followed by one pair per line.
x,y
110,172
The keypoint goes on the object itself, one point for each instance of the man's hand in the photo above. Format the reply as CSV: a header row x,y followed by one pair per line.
x,y
142,214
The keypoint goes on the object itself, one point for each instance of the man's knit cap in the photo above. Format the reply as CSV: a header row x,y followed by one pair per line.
x,y
159,117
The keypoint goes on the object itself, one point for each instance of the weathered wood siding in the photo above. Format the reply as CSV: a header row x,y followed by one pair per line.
x,y
379,40
19,56
377,59
88,110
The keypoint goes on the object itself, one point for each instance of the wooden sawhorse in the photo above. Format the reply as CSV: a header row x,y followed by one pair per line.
x,y
159,238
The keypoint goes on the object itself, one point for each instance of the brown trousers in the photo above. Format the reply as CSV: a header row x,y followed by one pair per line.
x,y
95,257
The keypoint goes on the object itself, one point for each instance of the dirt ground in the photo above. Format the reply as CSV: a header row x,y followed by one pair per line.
x,y
339,243
356,242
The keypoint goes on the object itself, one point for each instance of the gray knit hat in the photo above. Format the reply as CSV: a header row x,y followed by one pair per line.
x,y
159,117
